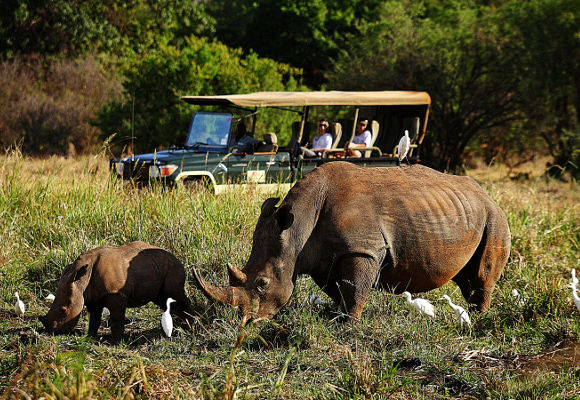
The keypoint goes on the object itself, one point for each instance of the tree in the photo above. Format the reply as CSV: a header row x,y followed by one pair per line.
x,y
548,50
458,58
158,79
73,28
308,34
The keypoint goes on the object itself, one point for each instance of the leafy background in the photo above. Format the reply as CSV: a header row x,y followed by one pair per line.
x,y
504,76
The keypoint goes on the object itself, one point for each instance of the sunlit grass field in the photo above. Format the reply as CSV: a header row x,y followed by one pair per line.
x,y
52,210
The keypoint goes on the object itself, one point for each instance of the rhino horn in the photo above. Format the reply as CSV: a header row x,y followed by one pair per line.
x,y
237,277
227,295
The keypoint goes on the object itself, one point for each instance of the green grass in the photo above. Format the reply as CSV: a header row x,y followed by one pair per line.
x,y
53,210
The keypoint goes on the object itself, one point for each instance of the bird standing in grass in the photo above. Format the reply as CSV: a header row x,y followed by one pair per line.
x,y
574,280
50,297
166,321
421,305
404,145
575,295
19,307
106,315
317,301
460,312
518,297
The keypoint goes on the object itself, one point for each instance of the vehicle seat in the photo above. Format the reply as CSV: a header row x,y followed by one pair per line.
x,y
294,137
336,131
374,134
349,134
271,143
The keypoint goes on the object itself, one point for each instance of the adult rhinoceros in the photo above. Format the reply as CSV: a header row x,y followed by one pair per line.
x,y
349,228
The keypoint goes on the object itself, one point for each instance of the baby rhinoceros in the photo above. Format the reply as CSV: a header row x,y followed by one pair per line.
x,y
116,277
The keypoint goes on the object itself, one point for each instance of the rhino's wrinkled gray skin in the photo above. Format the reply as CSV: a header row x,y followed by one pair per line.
x,y
352,228
116,277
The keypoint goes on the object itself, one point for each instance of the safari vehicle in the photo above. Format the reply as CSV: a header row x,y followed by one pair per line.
x,y
210,153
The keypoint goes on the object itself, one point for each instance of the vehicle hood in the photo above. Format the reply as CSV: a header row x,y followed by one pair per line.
x,y
171,156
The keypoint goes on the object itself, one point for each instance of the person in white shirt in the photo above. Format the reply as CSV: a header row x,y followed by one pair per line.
x,y
321,142
361,139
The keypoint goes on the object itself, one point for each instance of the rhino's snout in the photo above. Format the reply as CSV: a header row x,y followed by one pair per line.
x,y
48,325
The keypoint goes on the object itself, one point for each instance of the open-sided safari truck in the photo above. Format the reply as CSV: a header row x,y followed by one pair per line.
x,y
211,155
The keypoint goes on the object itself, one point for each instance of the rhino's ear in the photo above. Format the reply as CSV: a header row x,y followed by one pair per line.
x,y
284,217
269,206
66,269
83,274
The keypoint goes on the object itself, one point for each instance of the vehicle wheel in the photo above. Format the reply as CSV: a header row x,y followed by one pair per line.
x,y
197,184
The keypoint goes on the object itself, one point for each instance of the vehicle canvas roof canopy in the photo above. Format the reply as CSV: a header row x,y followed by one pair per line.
x,y
330,98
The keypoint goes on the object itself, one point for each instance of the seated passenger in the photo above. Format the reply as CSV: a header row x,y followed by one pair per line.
x,y
321,142
244,143
361,139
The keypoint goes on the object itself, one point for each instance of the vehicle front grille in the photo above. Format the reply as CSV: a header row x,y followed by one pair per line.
x,y
135,170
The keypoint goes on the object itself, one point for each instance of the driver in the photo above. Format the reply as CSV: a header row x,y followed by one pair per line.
x,y
244,143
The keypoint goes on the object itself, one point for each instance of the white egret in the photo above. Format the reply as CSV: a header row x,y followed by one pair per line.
x,y
166,321
106,315
317,301
50,297
421,305
19,307
575,295
518,297
404,146
460,312
574,280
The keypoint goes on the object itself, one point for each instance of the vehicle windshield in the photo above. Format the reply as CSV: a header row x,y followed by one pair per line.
x,y
209,129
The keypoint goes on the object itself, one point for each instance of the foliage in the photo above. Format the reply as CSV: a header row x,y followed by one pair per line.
x,y
46,106
503,74
116,27
158,79
458,58
305,34
548,51
54,209
499,76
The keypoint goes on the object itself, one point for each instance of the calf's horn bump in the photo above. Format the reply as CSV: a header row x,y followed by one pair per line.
x,y
236,276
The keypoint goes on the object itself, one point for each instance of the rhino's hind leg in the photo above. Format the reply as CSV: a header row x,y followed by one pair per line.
x,y
117,305
349,283
95,314
478,278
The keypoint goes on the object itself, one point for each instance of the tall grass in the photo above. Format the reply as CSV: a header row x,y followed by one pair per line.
x,y
54,209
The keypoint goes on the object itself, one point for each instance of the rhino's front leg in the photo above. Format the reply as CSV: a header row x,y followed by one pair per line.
x,y
349,283
95,314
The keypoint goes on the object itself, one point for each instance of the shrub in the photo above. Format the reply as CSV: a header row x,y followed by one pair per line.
x,y
158,79
46,106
